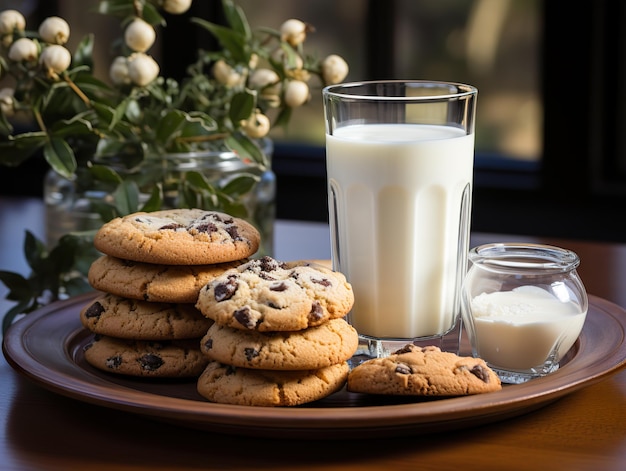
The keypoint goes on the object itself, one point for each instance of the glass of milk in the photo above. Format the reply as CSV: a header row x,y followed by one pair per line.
x,y
524,307
400,159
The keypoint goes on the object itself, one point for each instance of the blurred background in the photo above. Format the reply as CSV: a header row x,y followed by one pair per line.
x,y
550,150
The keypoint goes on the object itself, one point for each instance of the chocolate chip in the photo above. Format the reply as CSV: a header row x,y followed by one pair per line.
x,y
243,317
95,310
226,290
265,276
481,373
269,264
233,232
324,282
208,344
230,370
279,287
317,312
171,227
403,369
206,227
406,349
150,362
113,362
251,353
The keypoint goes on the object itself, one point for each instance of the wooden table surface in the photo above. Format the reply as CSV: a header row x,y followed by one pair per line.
x,y
41,430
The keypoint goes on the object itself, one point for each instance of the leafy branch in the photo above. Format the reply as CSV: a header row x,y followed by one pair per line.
x,y
115,136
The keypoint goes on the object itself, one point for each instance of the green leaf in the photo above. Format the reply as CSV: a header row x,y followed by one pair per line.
x,y
18,286
105,210
61,257
105,174
83,55
60,156
77,126
119,112
96,90
236,18
246,148
232,41
199,181
104,112
240,185
126,197
169,126
34,250
241,106
19,148
198,123
116,7
155,201
6,129
151,15
233,207
291,56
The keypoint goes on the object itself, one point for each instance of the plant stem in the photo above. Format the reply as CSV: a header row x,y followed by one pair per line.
x,y
39,120
77,90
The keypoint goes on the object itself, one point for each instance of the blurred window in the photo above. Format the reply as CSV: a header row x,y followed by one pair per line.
x,y
491,44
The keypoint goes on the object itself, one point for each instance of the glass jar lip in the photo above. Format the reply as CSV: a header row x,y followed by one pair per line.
x,y
524,257
366,90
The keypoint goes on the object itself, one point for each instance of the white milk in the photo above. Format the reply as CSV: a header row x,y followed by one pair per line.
x,y
396,190
519,329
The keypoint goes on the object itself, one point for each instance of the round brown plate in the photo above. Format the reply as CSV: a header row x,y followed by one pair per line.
x,y
47,347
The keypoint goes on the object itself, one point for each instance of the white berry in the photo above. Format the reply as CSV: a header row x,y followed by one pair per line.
x,y
11,21
257,126
225,74
296,93
23,50
54,30
139,35
142,69
262,78
119,71
334,69
293,31
55,59
176,7
7,102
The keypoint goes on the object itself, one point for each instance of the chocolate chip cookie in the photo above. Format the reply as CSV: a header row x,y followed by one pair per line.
x,y
267,295
316,347
127,318
152,282
157,359
231,385
178,237
423,371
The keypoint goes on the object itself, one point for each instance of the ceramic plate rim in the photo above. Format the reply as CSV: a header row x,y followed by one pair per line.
x,y
63,375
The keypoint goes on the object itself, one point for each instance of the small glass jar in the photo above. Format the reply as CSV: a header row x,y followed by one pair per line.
x,y
523,307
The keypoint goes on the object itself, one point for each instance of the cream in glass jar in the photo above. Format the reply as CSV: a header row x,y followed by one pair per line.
x,y
524,307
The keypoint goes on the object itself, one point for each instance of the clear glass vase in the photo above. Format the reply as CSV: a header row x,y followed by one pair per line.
x,y
70,203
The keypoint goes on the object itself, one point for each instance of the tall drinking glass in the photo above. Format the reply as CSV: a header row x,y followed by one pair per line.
x,y
400,159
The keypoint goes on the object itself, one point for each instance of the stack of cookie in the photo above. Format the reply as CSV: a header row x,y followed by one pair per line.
x,y
279,336
153,267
